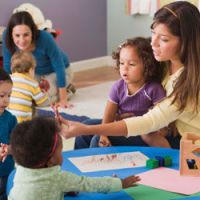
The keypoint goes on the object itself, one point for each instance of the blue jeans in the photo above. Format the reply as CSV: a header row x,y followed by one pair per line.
x,y
120,141
86,141
3,182
83,141
134,141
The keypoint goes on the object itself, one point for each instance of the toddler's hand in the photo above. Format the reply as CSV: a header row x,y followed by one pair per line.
x,y
3,152
130,181
104,141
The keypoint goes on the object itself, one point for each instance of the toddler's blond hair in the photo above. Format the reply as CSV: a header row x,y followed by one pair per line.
x,y
22,62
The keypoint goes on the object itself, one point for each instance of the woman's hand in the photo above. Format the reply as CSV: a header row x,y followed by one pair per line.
x,y
71,129
104,141
130,181
63,99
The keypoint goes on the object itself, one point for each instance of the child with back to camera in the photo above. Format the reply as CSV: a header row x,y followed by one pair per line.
x,y
7,123
138,90
39,166
26,92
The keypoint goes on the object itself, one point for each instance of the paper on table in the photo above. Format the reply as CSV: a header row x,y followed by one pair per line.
x,y
109,161
170,180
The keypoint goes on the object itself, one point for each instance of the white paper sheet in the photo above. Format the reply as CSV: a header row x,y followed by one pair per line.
x,y
109,161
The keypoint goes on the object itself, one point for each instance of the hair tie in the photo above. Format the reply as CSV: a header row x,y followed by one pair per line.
x,y
51,152
171,11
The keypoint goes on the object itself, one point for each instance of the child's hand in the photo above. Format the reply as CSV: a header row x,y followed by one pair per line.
x,y
3,152
130,181
104,141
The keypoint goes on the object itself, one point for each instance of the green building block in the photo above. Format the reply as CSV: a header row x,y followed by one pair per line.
x,y
152,163
167,161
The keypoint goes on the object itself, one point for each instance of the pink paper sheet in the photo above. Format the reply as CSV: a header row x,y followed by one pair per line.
x,y
170,180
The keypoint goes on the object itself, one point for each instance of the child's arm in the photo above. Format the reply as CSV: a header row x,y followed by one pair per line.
x,y
109,116
72,182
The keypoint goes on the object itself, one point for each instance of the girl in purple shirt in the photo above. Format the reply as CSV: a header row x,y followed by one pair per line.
x,y
138,90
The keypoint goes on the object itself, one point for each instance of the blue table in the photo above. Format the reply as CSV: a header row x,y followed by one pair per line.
x,y
148,151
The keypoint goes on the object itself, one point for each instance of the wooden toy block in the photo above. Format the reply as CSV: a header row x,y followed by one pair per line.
x,y
152,163
161,161
190,155
167,161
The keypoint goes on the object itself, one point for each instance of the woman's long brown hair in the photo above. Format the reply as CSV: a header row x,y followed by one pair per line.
x,y
183,20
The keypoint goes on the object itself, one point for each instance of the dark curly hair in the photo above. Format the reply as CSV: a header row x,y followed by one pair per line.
x,y
4,76
32,141
153,69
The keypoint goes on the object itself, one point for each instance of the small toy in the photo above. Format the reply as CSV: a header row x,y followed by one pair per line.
x,y
167,161
159,161
152,163
44,85
190,155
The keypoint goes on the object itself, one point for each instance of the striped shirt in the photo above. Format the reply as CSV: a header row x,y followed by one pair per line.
x,y
25,94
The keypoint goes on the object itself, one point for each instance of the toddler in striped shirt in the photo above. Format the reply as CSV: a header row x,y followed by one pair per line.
x,y
26,93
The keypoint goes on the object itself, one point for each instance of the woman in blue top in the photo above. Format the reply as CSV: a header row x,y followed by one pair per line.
x,y
52,63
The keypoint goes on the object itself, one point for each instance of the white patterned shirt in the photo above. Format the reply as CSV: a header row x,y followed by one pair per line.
x,y
51,183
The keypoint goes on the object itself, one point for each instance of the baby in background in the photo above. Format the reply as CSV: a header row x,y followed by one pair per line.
x,y
26,92
39,171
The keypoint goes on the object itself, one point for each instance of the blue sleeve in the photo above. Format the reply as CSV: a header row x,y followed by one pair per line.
x,y
58,59
12,123
6,54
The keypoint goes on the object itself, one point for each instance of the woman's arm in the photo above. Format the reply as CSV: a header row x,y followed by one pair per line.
x,y
6,54
63,98
158,117
73,129
59,62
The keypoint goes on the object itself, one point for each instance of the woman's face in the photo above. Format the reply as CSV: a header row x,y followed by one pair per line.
x,y
166,46
22,37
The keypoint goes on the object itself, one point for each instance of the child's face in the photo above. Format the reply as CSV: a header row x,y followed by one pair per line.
x,y
57,158
131,66
5,92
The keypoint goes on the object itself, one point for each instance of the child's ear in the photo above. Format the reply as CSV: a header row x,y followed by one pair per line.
x,y
52,161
